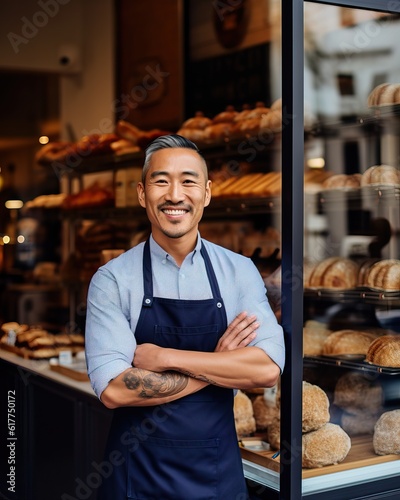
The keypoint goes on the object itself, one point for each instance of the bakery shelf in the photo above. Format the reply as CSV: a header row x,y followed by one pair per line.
x,y
347,361
364,294
361,454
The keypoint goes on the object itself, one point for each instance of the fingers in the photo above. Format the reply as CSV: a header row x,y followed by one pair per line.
x,y
240,332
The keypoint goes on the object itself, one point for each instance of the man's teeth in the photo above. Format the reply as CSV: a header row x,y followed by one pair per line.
x,y
175,212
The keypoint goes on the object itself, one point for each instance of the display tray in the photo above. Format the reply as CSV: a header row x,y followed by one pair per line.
x,y
77,370
360,292
361,454
354,362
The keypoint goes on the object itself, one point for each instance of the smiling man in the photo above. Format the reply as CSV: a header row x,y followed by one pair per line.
x,y
174,325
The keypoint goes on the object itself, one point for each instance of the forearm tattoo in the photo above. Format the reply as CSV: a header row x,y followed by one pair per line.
x,y
155,385
203,378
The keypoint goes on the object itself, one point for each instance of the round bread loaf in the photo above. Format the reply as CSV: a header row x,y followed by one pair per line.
x,y
384,275
274,434
334,273
328,445
342,181
245,423
386,440
353,391
226,116
359,423
199,122
348,342
385,351
315,407
264,414
381,175
313,340
384,94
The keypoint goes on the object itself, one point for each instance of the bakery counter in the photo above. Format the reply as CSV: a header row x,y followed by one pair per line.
x,y
57,429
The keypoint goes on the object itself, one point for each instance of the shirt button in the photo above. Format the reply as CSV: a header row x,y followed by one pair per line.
x,y
164,261
182,276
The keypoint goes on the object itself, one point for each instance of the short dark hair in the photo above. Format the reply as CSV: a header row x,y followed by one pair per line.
x,y
169,141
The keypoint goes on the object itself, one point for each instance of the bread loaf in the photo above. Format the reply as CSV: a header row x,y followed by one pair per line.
x,y
328,445
315,407
348,342
313,339
385,351
386,440
334,272
384,94
354,392
381,175
342,181
384,275
245,423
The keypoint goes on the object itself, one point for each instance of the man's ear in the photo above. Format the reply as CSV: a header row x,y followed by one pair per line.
x,y
141,194
207,198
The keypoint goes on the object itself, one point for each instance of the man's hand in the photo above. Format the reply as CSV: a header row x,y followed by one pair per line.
x,y
240,332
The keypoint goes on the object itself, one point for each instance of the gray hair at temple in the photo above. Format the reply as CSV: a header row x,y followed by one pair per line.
x,y
169,141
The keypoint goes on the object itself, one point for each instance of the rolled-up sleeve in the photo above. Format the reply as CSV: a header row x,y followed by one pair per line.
x,y
109,341
254,300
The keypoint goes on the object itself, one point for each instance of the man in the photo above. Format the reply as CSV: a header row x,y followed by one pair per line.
x,y
173,326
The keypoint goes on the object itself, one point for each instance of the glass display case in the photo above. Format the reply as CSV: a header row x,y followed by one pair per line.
x,y
342,76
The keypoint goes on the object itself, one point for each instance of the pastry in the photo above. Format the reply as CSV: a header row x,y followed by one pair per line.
x,y
313,339
354,392
315,407
348,342
384,275
359,422
328,445
334,272
342,181
386,440
226,116
198,122
245,423
274,434
266,408
385,351
385,93
381,175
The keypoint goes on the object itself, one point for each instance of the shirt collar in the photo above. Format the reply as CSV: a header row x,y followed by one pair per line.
x,y
159,253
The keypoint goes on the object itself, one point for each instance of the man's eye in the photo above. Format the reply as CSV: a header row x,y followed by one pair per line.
x,y
188,181
161,181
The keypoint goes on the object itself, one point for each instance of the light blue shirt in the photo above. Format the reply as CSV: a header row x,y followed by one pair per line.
x,y
116,292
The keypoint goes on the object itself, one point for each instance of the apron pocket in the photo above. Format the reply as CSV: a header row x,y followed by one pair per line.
x,y
189,338
165,469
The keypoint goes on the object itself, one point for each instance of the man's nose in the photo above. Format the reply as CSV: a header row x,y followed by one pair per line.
x,y
175,192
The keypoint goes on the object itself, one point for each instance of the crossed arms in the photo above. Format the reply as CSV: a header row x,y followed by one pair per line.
x,y
161,375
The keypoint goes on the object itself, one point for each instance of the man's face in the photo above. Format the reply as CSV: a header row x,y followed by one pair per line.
x,y
175,193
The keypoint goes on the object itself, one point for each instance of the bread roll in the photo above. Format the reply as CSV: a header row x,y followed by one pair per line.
x,y
274,434
313,340
386,440
342,181
359,422
385,351
264,414
335,273
328,445
315,407
198,122
381,175
384,275
354,392
245,423
348,342
384,94
227,116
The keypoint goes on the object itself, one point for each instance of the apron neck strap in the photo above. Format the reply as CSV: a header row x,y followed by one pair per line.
x,y
148,276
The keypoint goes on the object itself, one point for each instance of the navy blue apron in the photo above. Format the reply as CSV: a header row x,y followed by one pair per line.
x,y
186,449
